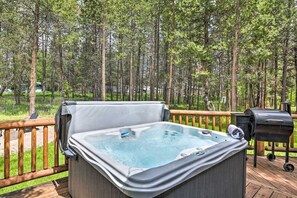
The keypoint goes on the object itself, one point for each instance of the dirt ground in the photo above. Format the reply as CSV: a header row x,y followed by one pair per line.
x,y
27,139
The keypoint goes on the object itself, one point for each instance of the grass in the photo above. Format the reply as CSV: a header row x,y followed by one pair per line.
x,y
27,168
10,111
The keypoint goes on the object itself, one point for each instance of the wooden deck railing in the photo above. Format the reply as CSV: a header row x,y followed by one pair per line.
x,y
219,120
21,127
202,119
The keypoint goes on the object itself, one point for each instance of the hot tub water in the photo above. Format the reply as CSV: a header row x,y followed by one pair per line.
x,y
153,146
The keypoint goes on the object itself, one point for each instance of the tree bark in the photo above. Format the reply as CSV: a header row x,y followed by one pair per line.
x,y
157,51
44,57
295,60
2,90
264,85
170,79
131,88
235,58
32,94
138,73
152,79
275,77
61,64
110,68
95,75
285,55
171,46
103,57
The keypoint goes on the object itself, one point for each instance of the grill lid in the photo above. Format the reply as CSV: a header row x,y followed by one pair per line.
x,y
270,122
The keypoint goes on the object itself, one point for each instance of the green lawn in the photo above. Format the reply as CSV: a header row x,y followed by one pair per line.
x,y
27,168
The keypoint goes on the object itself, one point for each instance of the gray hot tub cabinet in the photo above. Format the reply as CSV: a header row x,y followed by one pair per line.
x,y
224,178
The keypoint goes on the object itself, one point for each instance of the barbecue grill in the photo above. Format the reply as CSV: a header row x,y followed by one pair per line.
x,y
267,125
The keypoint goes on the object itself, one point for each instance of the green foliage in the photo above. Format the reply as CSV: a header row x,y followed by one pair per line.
x,y
196,34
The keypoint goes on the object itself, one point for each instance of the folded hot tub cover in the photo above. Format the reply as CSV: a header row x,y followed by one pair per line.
x,y
83,116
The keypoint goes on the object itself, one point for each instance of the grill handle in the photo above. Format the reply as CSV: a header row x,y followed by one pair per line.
x,y
274,121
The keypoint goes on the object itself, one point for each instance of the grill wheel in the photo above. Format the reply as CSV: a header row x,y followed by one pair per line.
x,y
288,167
271,157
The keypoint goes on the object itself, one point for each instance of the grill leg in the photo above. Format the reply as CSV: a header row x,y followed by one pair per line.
x,y
272,148
287,151
255,151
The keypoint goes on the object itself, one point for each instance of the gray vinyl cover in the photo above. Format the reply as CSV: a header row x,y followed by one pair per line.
x,y
83,116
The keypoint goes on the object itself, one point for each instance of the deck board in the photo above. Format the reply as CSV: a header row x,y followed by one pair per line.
x,y
268,179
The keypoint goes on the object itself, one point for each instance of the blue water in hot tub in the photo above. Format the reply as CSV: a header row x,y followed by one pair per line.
x,y
153,146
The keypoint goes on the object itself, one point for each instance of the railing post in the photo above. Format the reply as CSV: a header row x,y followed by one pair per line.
x,y
261,149
21,151
6,153
33,149
45,147
56,149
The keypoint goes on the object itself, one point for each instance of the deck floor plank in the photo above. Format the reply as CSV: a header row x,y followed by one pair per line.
x,y
268,179
274,175
264,192
251,190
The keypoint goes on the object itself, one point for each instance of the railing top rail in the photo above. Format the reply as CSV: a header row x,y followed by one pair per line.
x,y
48,122
193,112
26,123
294,116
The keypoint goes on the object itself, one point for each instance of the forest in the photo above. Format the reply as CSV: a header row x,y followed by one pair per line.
x,y
235,53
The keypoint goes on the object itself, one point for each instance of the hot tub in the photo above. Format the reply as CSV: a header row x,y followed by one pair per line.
x,y
155,159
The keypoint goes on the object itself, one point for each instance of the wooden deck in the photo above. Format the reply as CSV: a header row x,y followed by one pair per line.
x,y
267,180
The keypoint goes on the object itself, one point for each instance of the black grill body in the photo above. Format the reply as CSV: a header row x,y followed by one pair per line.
x,y
267,125
270,125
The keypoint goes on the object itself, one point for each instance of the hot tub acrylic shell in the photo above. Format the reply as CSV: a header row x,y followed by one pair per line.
x,y
220,171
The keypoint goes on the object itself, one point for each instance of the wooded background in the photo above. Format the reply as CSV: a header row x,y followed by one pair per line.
x,y
236,53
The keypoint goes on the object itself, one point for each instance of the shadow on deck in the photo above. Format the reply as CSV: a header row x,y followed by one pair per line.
x,y
267,180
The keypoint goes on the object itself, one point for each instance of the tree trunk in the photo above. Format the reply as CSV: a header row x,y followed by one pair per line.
x,y
205,62
61,64
131,88
53,81
235,58
122,86
264,85
170,79
170,49
152,79
32,94
260,85
165,71
295,60
117,80
110,68
2,90
44,57
275,77
103,57
285,55
95,75
138,73
157,51
142,77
